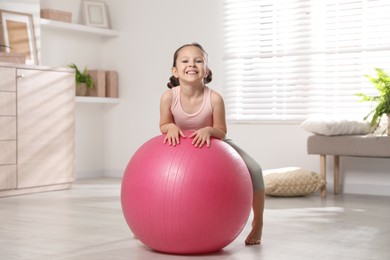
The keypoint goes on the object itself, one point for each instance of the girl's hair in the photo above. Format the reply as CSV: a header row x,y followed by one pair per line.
x,y
174,82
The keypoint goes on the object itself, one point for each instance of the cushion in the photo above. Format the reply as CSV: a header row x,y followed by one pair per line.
x,y
291,181
337,126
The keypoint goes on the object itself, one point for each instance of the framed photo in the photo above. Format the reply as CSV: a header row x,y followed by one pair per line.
x,y
17,35
95,13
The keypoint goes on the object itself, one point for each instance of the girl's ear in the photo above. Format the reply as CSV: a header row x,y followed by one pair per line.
x,y
174,72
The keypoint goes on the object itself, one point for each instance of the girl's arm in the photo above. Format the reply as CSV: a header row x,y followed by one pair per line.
x,y
219,129
167,125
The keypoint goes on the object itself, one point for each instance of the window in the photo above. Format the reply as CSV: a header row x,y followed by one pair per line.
x,y
286,60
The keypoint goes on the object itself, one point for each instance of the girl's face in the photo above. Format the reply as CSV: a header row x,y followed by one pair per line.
x,y
191,65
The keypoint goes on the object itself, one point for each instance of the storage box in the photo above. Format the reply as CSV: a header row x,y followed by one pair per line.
x,y
112,84
12,58
56,15
99,79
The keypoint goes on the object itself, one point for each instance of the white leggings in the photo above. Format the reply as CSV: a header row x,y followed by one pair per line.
x,y
253,167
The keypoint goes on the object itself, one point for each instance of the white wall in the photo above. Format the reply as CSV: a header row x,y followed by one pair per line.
x,y
108,135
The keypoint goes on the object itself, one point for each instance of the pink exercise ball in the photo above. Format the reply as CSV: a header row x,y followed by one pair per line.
x,y
186,200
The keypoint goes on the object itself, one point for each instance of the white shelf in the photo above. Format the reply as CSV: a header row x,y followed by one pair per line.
x,y
46,23
99,100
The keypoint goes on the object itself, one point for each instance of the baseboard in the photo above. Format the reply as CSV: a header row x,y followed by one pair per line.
x,y
113,173
363,189
98,174
89,174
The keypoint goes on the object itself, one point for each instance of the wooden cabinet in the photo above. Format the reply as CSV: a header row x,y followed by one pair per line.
x,y
36,129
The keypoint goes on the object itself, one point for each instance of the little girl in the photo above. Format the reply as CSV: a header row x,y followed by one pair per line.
x,y
189,105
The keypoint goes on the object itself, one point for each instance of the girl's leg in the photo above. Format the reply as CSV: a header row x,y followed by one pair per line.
x,y
254,237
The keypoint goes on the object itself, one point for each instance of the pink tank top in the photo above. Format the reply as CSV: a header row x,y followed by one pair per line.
x,y
197,120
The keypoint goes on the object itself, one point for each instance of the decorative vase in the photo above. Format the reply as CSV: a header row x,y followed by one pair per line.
x,y
81,89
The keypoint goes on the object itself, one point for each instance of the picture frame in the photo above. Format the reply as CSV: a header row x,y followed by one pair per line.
x,y
17,35
95,13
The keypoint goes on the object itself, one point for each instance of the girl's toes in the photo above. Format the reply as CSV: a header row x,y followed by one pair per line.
x,y
251,242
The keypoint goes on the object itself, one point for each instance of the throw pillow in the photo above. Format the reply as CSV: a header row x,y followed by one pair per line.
x,y
291,181
337,126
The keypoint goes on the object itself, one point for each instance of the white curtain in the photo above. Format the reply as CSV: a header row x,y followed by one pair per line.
x,y
286,60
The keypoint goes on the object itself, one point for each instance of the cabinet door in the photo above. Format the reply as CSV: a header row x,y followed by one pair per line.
x,y
7,152
8,79
7,177
45,127
7,127
7,103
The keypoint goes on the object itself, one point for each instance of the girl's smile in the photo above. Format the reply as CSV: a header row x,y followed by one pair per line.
x,y
191,72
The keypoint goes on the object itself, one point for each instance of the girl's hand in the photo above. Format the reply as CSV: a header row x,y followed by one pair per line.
x,y
173,135
201,137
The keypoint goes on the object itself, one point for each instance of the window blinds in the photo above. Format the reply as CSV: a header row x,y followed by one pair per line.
x,y
286,60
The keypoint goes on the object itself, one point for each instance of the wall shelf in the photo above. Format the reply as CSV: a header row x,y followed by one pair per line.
x,y
46,23
101,100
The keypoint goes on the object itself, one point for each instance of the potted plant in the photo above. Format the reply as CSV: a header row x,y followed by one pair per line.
x,y
382,83
83,80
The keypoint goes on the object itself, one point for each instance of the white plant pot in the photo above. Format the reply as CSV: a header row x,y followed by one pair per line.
x,y
388,124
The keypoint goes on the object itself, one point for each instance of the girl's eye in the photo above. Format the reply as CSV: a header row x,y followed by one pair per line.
x,y
199,61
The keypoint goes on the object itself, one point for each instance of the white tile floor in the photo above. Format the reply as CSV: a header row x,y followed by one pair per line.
x,y
86,223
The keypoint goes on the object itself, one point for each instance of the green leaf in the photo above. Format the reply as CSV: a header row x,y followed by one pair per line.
x,y
381,82
82,77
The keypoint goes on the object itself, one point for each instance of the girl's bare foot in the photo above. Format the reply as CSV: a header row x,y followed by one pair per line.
x,y
254,237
